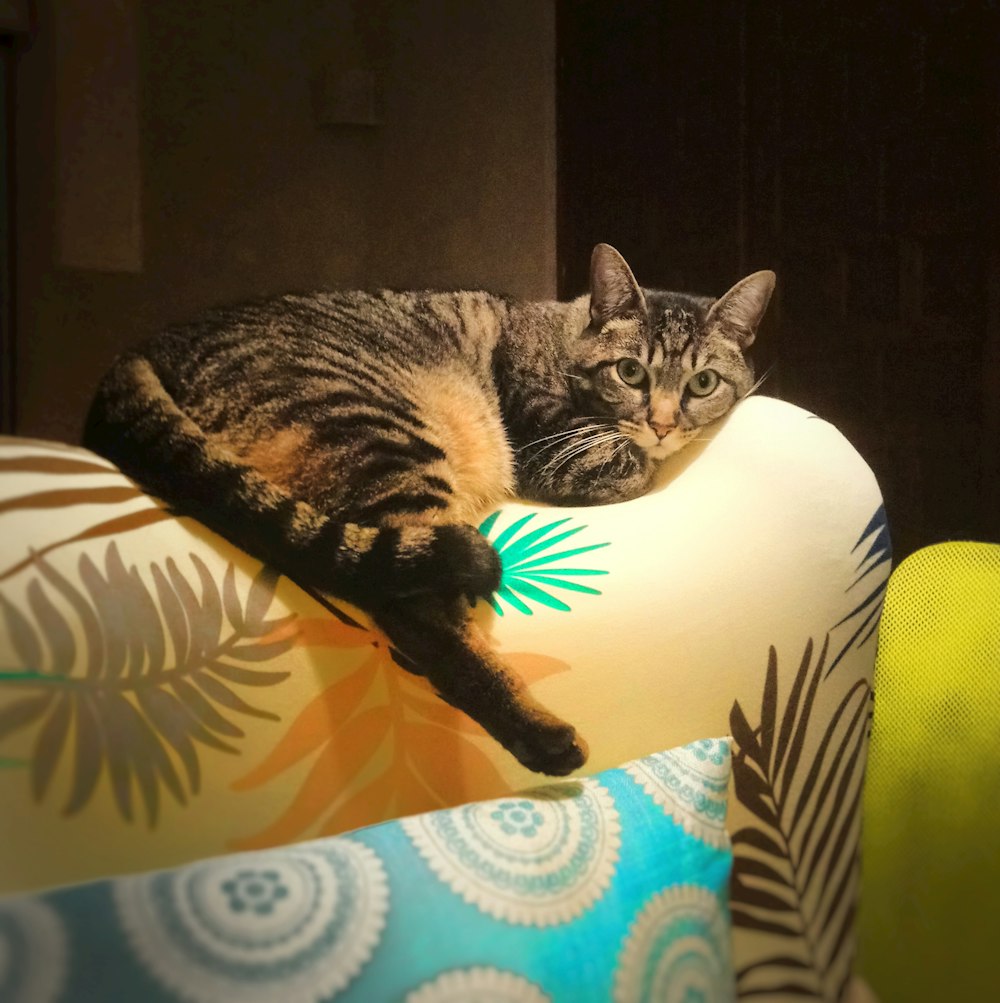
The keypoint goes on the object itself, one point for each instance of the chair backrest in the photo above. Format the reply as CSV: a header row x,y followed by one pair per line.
x,y
930,904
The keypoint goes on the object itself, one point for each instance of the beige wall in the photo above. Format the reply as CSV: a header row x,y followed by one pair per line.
x,y
240,192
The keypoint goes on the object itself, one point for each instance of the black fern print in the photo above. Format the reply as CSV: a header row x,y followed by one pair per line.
x,y
872,573
795,871
154,683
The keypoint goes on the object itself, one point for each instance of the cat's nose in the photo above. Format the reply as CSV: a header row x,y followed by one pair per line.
x,y
664,412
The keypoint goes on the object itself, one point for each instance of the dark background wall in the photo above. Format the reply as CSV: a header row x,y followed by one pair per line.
x,y
170,155
853,149
173,155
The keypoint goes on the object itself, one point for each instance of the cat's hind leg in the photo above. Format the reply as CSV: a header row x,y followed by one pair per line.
x,y
435,638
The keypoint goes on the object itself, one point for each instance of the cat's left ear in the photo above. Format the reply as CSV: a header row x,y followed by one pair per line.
x,y
613,289
739,312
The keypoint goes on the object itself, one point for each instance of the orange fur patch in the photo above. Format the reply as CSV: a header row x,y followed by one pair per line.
x,y
462,422
281,457
288,458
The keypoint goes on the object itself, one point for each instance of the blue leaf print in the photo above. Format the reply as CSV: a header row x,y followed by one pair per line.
x,y
864,617
533,563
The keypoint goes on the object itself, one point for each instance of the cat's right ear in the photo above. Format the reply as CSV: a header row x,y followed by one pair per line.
x,y
613,289
740,311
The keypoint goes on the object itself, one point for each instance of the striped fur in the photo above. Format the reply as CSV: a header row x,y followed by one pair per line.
x,y
350,439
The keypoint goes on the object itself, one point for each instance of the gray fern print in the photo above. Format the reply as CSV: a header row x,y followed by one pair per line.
x,y
158,679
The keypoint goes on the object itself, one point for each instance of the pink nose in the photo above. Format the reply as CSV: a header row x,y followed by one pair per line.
x,y
661,428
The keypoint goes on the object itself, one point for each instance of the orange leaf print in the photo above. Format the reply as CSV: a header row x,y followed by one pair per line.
x,y
412,797
452,768
343,758
327,632
434,759
316,723
533,668
419,696
360,807
481,779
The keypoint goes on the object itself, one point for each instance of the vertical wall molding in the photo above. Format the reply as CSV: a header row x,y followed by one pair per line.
x,y
8,360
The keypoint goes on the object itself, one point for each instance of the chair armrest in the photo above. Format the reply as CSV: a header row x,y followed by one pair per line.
x,y
163,698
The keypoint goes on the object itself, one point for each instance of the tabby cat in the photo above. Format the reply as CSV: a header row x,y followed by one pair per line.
x,y
350,440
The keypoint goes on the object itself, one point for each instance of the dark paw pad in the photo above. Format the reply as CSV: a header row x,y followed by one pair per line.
x,y
554,751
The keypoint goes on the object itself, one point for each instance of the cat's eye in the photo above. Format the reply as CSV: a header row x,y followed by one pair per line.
x,y
631,371
703,383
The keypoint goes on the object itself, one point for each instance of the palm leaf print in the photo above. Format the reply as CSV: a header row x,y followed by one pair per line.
x,y
534,563
796,870
149,681
60,461
872,573
412,751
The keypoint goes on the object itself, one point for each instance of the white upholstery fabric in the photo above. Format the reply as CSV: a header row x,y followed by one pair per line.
x,y
739,597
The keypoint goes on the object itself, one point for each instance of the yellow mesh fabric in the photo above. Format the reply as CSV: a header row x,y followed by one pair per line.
x,y
930,911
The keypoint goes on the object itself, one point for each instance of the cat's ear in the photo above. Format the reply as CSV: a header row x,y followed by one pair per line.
x,y
613,289
741,310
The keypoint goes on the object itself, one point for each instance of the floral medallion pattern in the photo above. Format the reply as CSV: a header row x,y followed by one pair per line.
x,y
537,861
677,949
580,892
299,926
33,952
485,985
685,783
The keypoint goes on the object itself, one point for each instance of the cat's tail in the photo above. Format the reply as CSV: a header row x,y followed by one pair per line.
x,y
135,423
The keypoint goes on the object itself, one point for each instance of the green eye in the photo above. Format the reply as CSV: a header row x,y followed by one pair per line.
x,y
703,383
631,372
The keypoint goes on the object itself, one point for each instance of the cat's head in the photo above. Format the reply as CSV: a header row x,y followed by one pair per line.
x,y
664,364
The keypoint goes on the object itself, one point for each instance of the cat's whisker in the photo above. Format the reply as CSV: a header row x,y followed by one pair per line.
x,y
757,383
579,448
622,445
567,452
557,448
568,433
555,470
564,434
568,443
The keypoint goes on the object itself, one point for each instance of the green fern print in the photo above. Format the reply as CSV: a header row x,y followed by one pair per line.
x,y
533,563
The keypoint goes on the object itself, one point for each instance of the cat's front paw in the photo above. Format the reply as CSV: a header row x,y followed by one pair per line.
x,y
555,750
625,475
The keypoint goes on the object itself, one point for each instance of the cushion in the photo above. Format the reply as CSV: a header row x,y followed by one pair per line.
x,y
610,887
164,698
928,919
